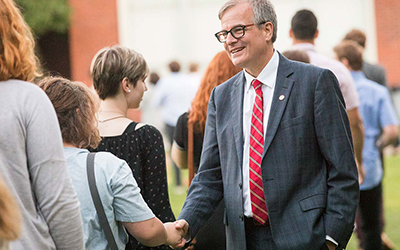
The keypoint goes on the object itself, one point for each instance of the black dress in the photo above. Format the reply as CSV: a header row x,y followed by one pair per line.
x,y
143,150
212,235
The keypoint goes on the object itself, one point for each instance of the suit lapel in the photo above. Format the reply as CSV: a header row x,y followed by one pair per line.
x,y
237,116
280,98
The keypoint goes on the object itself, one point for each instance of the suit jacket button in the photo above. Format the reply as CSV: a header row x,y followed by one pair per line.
x,y
241,217
240,185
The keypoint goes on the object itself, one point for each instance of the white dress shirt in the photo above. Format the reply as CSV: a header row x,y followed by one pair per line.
x,y
268,79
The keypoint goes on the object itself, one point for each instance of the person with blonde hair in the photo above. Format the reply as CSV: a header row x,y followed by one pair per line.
x,y
119,75
31,156
10,217
220,69
119,193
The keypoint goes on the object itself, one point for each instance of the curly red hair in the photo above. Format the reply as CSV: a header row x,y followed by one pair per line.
x,y
218,71
17,56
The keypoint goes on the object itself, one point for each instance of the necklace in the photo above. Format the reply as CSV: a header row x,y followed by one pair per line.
x,y
112,118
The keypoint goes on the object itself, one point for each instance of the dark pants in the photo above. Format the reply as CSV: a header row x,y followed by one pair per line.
x,y
258,237
360,235
369,212
212,235
170,136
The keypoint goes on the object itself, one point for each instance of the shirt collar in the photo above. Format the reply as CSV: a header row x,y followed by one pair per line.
x,y
357,75
303,46
267,76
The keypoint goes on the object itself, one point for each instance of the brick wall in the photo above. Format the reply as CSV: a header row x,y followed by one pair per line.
x,y
94,25
387,14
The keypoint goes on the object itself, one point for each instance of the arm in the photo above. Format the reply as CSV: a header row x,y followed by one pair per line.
x,y
206,190
153,233
333,135
179,150
149,232
389,135
388,121
129,206
357,132
179,156
155,186
51,185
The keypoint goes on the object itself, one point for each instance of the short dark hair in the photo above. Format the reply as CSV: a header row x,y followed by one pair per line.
x,y
111,65
304,25
297,55
357,36
154,78
174,66
352,52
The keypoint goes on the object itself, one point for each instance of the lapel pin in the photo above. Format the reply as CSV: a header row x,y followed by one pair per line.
x,y
281,97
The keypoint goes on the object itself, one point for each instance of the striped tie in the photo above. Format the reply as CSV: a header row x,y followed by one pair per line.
x,y
258,205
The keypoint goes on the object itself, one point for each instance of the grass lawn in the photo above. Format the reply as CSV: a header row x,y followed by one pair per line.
x,y
391,186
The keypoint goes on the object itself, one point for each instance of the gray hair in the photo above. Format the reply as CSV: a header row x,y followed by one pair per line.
x,y
111,65
263,12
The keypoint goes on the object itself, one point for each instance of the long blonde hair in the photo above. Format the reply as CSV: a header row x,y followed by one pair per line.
x,y
17,56
10,216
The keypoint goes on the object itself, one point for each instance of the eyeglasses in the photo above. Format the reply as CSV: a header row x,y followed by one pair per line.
x,y
237,32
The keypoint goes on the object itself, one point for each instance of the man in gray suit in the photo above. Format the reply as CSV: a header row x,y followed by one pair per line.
x,y
296,185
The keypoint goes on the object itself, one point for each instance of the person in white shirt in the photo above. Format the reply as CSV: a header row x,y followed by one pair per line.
x,y
174,94
304,31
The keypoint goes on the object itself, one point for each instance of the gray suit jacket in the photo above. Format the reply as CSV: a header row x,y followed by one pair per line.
x,y
309,174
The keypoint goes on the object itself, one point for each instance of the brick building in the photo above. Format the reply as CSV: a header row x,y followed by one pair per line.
x,y
94,25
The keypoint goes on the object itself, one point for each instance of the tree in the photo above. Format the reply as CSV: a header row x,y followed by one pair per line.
x,y
44,16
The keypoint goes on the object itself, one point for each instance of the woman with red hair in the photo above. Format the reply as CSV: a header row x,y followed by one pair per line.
x,y
220,69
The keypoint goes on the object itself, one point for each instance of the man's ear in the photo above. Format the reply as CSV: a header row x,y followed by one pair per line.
x,y
291,35
316,34
345,62
269,30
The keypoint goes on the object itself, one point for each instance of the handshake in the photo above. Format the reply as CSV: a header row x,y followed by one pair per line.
x,y
176,232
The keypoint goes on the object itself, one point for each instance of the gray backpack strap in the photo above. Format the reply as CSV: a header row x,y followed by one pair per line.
x,y
97,202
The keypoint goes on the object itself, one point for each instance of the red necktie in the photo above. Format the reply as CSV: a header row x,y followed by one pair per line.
x,y
258,205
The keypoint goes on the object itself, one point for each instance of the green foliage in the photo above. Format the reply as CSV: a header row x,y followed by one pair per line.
x,y
46,15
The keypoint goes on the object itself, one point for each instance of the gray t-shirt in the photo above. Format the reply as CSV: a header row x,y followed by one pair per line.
x,y
119,194
33,165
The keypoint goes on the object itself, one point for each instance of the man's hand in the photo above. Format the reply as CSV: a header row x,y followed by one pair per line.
x,y
330,245
182,225
176,232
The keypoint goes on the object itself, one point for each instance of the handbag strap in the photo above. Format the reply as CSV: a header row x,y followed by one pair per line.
x,y
190,152
97,202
